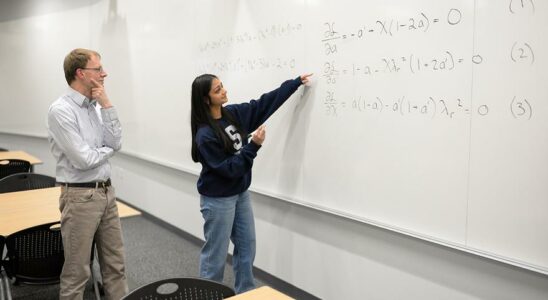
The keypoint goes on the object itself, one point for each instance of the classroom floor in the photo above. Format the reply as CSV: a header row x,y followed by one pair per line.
x,y
152,253
155,252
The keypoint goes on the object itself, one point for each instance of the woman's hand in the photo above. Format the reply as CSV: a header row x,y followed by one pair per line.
x,y
305,78
259,135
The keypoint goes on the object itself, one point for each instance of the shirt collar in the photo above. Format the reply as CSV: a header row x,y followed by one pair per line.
x,y
80,99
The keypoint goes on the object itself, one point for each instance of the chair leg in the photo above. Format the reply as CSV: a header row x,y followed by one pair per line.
x,y
95,288
8,290
2,294
4,281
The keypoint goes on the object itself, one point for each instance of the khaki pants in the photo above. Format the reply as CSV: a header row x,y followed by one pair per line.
x,y
87,213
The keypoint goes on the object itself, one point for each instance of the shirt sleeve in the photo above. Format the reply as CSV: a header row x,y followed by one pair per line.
x,y
112,129
230,166
64,131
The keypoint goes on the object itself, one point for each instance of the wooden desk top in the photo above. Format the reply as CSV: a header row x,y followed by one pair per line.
x,y
20,210
19,155
262,293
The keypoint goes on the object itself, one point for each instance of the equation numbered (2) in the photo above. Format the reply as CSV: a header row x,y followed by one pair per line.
x,y
412,64
522,52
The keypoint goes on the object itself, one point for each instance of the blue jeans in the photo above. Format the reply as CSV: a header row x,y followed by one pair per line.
x,y
228,218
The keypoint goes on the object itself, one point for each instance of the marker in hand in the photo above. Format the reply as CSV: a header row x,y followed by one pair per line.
x,y
259,135
305,79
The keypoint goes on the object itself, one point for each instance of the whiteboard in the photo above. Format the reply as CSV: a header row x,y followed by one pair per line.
x,y
31,61
425,117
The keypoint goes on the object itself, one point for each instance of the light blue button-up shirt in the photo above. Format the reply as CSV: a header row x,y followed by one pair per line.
x,y
81,139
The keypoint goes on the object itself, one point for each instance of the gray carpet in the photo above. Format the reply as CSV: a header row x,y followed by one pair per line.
x,y
155,251
152,253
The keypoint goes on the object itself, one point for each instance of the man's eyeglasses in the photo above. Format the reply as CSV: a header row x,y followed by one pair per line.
x,y
99,69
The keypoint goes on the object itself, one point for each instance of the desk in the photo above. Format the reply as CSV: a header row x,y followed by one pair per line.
x,y
262,293
20,155
20,210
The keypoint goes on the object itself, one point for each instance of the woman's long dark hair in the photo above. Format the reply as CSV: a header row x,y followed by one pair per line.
x,y
201,115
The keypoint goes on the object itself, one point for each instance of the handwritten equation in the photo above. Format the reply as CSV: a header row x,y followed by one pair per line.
x,y
386,27
428,107
244,65
269,32
337,67
413,64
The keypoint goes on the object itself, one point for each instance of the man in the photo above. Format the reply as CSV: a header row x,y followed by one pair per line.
x,y
82,142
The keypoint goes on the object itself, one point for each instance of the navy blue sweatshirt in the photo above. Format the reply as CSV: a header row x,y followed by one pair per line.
x,y
228,174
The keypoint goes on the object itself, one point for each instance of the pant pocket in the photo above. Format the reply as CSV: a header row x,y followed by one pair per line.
x,y
80,195
63,198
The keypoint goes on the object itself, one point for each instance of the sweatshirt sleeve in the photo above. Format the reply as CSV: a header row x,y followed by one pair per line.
x,y
230,166
256,112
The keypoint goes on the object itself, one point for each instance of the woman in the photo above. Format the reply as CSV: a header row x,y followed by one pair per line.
x,y
220,144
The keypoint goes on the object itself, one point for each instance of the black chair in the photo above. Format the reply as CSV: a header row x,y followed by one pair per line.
x,y
3,279
35,255
13,166
2,242
3,150
182,288
25,181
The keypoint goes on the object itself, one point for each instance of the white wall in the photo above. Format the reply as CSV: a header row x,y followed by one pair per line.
x,y
325,255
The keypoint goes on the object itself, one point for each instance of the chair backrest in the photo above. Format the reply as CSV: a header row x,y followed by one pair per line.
x,y
25,181
13,166
35,255
182,288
